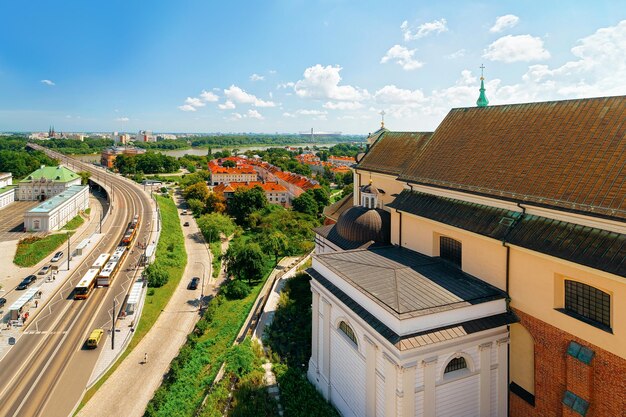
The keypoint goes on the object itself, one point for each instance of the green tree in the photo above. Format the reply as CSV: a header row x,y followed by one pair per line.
x,y
213,224
321,196
84,177
305,204
245,261
196,206
156,275
275,243
245,201
229,164
125,164
198,191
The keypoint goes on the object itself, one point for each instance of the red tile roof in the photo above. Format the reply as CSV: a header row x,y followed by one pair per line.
x,y
266,186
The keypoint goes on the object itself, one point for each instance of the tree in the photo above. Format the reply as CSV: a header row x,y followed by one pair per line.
x,y
347,190
198,191
244,261
245,201
196,206
156,275
321,196
229,164
306,204
216,202
213,224
84,177
125,164
275,243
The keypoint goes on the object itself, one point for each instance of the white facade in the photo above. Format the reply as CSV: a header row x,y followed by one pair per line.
x,y
54,213
6,178
7,196
374,378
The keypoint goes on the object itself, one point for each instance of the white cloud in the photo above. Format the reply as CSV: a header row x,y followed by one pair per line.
x,y
517,48
208,96
342,105
425,29
286,114
503,22
236,116
48,82
393,94
457,54
403,57
122,119
256,77
187,107
288,84
228,105
323,82
272,72
194,102
254,114
236,94
306,112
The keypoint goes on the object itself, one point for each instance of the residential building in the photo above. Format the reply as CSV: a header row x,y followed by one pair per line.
x,y
54,213
346,161
6,178
481,268
241,172
275,193
296,184
107,158
46,182
145,136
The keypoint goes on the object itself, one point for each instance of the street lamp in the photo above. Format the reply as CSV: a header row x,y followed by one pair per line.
x,y
202,288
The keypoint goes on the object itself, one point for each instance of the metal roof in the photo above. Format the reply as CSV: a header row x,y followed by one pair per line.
x,y
407,283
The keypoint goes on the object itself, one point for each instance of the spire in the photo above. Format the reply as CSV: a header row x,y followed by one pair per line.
x,y
382,119
482,98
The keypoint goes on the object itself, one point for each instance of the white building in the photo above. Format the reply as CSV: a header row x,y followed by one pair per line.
x,y
7,189
54,213
6,178
46,182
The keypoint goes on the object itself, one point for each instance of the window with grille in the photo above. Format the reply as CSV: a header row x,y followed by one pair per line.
x,y
450,250
588,303
347,330
455,365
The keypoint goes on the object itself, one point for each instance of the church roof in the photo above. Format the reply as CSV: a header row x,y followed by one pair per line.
x,y
419,339
392,151
593,247
58,174
336,209
569,155
407,283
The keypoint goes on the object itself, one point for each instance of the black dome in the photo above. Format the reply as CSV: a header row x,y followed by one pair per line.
x,y
360,224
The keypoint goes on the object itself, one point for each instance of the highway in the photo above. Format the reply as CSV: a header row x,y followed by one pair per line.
x,y
46,372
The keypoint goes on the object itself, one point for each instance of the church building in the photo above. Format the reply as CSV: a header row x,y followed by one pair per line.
x,y
481,269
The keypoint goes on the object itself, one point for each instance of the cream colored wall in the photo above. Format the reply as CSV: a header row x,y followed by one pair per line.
x,y
522,358
482,257
387,183
536,288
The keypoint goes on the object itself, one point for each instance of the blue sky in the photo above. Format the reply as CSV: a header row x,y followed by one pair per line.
x,y
289,66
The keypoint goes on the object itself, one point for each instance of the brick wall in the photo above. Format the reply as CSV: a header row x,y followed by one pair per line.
x,y
602,382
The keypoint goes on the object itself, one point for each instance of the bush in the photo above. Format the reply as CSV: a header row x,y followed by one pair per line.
x,y
156,275
236,290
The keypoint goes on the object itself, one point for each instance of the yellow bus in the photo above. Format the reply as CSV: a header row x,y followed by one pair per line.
x,y
86,284
94,338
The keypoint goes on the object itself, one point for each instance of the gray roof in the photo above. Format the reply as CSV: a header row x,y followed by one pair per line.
x,y
336,209
407,283
419,339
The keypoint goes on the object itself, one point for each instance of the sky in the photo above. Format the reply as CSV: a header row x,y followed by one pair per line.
x,y
292,65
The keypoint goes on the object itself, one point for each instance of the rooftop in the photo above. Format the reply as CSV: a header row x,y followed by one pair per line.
x,y
58,174
54,202
407,283
266,186
391,152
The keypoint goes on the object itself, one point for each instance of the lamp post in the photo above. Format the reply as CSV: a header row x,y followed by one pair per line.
x,y
202,288
68,250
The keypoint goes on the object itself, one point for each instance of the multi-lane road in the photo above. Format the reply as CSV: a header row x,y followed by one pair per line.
x,y
46,372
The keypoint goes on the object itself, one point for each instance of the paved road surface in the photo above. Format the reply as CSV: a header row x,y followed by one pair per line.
x,y
46,372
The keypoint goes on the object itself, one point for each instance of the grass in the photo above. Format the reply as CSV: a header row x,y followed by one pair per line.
x,y
75,223
31,250
88,211
171,255
216,252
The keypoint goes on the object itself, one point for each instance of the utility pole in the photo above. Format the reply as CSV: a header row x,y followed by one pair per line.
x,y
101,215
113,326
202,288
68,250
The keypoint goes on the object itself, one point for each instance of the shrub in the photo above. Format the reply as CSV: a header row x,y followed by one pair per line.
x,y
236,290
156,275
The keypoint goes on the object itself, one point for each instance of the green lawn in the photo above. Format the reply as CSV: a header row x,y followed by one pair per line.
x,y
75,223
216,252
172,256
31,250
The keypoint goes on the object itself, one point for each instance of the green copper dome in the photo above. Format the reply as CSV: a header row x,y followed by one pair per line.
x,y
482,99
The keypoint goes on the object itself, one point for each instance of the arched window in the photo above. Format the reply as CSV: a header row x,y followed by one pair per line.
x,y
450,250
455,364
347,330
588,303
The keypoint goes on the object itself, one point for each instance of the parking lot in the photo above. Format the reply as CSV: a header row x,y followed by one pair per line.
x,y
12,220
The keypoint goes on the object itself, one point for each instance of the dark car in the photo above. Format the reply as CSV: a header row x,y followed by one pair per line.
x,y
3,301
186,224
26,282
193,284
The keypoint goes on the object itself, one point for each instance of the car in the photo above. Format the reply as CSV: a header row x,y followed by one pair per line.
x,y
3,301
44,270
184,212
193,284
186,224
26,282
57,256
94,338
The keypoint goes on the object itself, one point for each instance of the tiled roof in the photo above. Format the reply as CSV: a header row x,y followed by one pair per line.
x,y
329,232
393,151
420,339
336,209
565,154
407,283
266,186
589,246
58,174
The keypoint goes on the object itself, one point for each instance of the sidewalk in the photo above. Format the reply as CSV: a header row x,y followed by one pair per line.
x,y
133,383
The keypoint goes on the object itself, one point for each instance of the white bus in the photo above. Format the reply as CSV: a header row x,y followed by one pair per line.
x,y
86,284
101,261
106,275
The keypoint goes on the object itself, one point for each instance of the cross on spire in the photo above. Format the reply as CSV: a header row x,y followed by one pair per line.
x,y
482,69
382,118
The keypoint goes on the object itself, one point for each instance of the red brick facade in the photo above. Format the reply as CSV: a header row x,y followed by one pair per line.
x,y
602,382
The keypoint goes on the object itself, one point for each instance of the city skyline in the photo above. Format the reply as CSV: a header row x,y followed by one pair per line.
x,y
292,66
